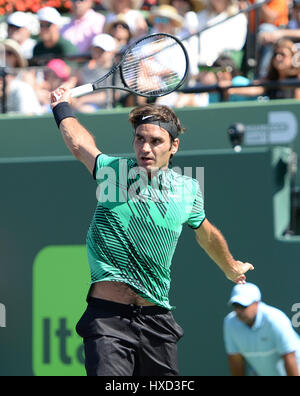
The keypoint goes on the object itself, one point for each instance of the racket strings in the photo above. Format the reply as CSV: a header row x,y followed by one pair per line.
x,y
155,66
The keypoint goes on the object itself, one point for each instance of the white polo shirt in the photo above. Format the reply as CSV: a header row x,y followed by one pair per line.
x,y
262,345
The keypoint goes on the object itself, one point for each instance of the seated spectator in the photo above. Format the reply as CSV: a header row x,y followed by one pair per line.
x,y
223,73
228,36
103,51
130,10
273,16
51,45
294,22
227,74
56,73
120,31
13,54
18,29
148,4
188,9
282,67
275,12
84,26
292,31
20,92
165,19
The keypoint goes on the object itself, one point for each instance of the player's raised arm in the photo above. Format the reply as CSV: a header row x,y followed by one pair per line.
x,y
215,245
78,140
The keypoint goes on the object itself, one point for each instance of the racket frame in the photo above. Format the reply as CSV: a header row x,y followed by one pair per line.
x,y
95,86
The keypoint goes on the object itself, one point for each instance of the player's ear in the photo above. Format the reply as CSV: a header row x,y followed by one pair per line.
x,y
175,146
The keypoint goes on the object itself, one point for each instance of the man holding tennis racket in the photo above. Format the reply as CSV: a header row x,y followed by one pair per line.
x,y
128,328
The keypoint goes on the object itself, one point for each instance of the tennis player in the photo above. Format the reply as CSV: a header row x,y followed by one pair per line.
x,y
128,327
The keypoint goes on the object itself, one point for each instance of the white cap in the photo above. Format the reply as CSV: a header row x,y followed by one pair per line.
x,y
50,14
104,41
245,295
19,19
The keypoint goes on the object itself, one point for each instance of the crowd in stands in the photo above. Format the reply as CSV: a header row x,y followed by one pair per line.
x,y
43,50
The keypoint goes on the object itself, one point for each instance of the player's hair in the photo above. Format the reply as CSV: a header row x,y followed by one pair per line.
x,y
159,112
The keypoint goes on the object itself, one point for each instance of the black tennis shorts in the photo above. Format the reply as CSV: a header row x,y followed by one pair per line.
x,y
128,340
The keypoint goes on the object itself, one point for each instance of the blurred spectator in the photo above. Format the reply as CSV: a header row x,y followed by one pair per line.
x,y
165,19
51,43
120,30
227,74
294,22
292,31
148,4
130,10
273,16
259,339
13,54
284,65
188,9
18,29
84,26
275,12
223,74
20,84
103,51
56,73
230,35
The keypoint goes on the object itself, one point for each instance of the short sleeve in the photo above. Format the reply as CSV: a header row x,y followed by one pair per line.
x,y
104,161
197,214
230,346
286,339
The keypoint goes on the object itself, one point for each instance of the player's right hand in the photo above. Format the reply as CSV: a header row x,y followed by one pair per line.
x,y
60,95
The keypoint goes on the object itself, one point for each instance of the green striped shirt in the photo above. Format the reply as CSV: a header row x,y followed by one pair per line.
x,y
137,223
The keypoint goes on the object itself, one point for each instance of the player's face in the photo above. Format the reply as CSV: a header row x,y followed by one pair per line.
x,y
153,147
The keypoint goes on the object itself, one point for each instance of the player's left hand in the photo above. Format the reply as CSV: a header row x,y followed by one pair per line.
x,y
238,271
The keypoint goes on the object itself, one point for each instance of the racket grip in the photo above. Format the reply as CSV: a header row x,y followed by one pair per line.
x,y
81,90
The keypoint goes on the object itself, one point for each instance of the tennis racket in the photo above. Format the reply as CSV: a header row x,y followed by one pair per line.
x,y
153,66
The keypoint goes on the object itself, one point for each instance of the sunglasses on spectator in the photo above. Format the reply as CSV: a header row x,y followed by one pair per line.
x,y
280,54
162,20
45,25
9,53
215,69
11,26
238,306
120,24
78,1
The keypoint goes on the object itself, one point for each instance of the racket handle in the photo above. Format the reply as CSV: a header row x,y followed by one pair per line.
x,y
81,90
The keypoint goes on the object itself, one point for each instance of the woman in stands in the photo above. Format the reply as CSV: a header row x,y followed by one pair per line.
x,y
285,65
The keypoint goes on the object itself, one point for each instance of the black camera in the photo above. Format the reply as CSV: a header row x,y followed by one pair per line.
x,y
236,134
